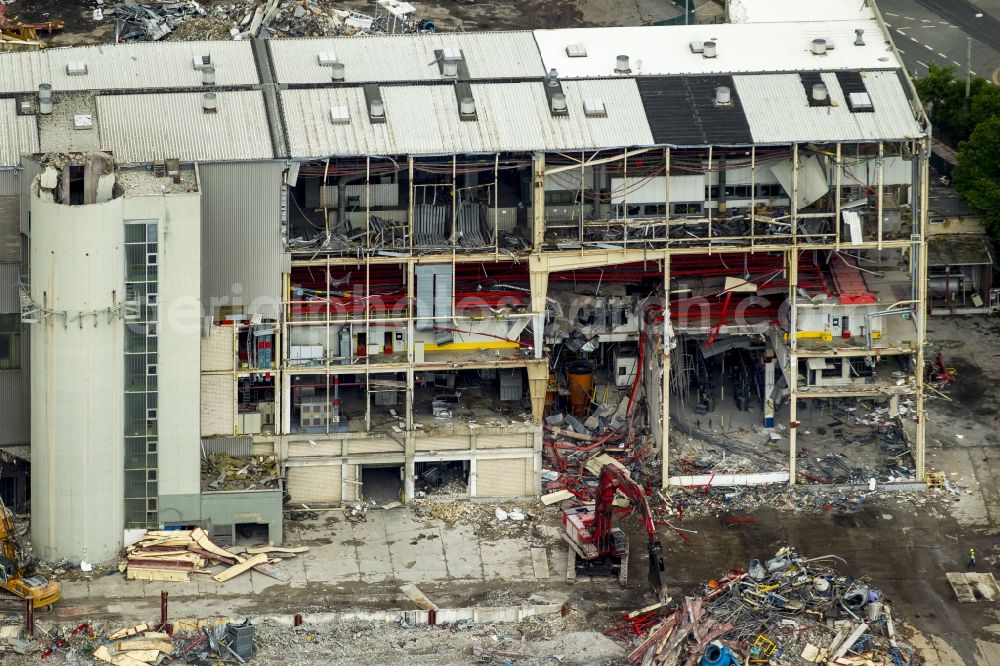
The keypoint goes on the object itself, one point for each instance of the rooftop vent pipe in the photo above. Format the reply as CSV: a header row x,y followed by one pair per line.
x,y
819,92
449,68
553,79
723,96
819,47
337,70
860,39
45,98
559,103
621,65
376,109
209,103
709,50
467,107
208,76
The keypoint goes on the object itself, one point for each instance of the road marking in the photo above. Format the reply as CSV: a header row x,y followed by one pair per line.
x,y
901,32
901,51
891,14
943,23
914,39
925,21
909,18
928,47
942,55
973,73
928,26
923,64
957,63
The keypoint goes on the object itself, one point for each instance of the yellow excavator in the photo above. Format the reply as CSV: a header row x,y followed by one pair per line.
x,y
14,569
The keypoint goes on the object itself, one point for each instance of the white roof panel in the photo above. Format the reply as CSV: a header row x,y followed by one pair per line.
x,y
778,110
382,58
18,134
424,120
144,128
776,11
741,48
131,66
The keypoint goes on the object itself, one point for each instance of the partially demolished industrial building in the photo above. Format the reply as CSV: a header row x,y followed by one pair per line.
x,y
369,263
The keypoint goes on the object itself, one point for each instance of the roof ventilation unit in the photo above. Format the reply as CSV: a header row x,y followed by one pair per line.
x,y
76,68
210,103
202,61
339,115
860,39
860,101
594,108
467,107
621,65
45,98
553,78
576,51
723,96
557,104
709,50
818,47
819,93
337,70
449,69
208,76
83,122
326,58
376,107
466,101
697,47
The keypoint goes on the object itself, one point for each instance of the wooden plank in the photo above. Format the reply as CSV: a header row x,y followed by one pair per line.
x,y
159,645
237,569
129,631
205,543
231,560
557,496
141,656
156,634
158,575
418,597
277,549
181,565
104,654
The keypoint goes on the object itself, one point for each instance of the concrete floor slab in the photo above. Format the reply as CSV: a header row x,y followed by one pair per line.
x,y
461,552
507,558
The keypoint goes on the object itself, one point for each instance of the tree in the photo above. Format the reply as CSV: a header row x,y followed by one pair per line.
x,y
951,112
977,176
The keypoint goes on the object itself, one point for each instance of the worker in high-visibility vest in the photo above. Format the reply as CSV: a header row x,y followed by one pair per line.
x,y
972,558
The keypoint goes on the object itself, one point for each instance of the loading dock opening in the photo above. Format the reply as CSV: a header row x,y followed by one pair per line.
x,y
382,483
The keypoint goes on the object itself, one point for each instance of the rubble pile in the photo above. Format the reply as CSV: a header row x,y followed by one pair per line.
x,y
225,472
198,641
487,521
789,609
266,19
172,555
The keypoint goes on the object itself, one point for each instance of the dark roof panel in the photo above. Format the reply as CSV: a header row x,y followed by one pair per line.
x,y
681,111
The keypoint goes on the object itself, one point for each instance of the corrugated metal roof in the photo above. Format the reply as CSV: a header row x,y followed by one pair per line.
x,y
143,128
128,66
18,134
778,110
425,120
741,48
384,58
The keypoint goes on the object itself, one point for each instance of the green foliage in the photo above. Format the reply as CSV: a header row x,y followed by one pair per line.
x,y
977,176
950,111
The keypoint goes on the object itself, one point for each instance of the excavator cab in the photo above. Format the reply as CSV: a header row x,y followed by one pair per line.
x,y
42,591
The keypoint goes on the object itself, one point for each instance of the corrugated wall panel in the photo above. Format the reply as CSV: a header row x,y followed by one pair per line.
x,y
240,447
504,477
10,182
10,227
443,443
15,412
512,441
218,405
9,275
316,483
375,446
241,241
29,169
218,350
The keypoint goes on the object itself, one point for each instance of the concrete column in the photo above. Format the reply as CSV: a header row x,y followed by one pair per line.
x,y
539,277
538,329
538,379
793,361
538,202
920,246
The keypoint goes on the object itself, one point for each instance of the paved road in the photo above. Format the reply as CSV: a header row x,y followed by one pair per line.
x,y
939,35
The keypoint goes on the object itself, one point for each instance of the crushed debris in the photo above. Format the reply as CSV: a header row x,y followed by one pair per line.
x,y
789,609
225,472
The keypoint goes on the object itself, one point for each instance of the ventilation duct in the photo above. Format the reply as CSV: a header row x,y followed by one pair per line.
x,y
723,96
208,76
709,50
819,92
337,71
45,98
209,103
819,47
621,65
558,104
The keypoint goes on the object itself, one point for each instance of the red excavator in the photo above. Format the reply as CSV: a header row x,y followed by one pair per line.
x,y
596,548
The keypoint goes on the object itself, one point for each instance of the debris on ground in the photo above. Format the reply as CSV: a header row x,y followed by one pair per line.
x,y
247,19
224,472
789,609
172,555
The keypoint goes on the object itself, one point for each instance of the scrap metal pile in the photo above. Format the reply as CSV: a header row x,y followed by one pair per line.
x,y
267,19
789,609
191,641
